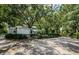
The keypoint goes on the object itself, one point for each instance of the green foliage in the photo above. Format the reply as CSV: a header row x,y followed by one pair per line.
x,y
76,35
70,20
3,27
50,22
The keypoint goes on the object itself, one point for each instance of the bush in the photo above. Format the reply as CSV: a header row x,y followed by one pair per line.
x,y
16,36
54,35
76,35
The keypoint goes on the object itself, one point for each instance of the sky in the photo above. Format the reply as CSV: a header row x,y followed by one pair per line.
x,y
56,6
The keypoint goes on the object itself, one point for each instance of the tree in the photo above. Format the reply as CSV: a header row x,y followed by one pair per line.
x,y
69,17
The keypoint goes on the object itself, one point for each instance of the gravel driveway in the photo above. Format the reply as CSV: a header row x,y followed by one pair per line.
x,y
50,46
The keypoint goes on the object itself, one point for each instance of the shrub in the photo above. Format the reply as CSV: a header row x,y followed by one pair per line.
x,y
16,36
76,35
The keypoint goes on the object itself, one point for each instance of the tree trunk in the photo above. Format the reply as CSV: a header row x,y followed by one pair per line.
x,y
30,35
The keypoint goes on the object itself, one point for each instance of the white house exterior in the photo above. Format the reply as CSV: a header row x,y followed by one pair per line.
x,y
21,30
11,30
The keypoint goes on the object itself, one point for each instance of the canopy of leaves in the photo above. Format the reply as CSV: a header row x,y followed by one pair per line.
x,y
63,21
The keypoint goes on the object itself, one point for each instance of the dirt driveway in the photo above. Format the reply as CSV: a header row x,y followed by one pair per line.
x,y
50,46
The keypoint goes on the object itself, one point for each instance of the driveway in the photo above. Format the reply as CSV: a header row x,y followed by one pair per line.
x,y
49,46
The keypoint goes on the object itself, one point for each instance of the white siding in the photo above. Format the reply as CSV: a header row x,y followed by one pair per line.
x,y
11,30
23,31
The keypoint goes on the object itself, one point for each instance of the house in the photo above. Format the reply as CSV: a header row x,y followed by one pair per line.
x,y
22,30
